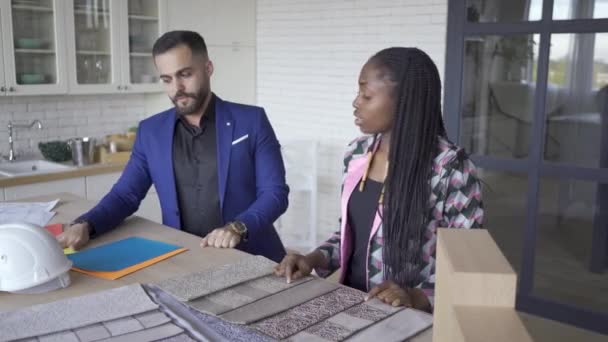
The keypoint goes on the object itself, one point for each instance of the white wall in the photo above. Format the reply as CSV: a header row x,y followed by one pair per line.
x,y
67,116
309,53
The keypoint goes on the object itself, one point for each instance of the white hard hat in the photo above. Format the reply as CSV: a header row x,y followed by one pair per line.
x,y
31,260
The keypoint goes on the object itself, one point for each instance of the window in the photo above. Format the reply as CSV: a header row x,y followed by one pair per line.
x,y
526,93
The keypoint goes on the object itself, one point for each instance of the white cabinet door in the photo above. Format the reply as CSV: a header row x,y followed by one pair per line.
x,y
3,12
75,186
93,31
143,21
98,186
34,45
1,194
234,75
150,207
221,23
235,21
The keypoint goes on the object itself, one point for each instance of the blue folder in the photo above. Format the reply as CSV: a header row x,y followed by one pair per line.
x,y
118,255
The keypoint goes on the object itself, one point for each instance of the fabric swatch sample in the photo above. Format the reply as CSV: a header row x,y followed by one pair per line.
x,y
183,337
199,284
329,331
123,326
210,328
305,315
92,333
348,322
148,335
237,296
74,312
152,318
64,336
279,302
397,327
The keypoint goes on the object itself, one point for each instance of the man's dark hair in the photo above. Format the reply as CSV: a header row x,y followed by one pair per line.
x,y
172,39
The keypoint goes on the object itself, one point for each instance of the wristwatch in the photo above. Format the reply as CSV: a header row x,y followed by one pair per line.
x,y
239,228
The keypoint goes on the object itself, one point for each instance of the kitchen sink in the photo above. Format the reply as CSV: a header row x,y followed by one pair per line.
x,y
30,167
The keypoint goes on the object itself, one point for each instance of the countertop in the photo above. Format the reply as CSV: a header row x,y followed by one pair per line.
x,y
89,170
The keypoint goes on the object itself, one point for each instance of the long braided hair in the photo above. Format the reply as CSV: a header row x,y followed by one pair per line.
x,y
417,124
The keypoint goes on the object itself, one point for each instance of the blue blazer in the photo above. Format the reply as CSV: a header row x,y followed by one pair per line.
x,y
251,176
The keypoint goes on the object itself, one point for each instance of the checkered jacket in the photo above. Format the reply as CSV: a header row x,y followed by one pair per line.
x,y
455,202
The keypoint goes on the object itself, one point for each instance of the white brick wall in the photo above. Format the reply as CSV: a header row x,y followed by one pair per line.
x,y
309,54
64,117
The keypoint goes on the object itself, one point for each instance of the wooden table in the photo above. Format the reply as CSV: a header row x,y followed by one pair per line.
x,y
195,259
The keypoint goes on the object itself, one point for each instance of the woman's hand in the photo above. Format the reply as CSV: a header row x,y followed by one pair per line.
x,y
393,294
294,266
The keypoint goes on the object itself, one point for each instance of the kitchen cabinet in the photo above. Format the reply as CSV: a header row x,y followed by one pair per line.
x,y
221,23
110,45
234,66
229,29
33,47
75,186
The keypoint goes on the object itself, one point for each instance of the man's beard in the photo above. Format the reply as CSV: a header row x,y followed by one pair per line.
x,y
195,106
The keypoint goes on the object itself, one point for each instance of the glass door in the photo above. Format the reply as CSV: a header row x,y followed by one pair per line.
x,y
145,24
37,56
526,93
94,64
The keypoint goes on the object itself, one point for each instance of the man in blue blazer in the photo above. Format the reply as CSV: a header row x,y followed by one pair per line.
x,y
216,165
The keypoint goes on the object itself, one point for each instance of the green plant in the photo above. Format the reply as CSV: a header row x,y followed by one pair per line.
x,y
57,151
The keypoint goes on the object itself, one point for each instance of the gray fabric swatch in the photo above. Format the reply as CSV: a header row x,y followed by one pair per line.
x,y
243,294
64,336
330,331
349,322
305,315
148,335
74,312
92,333
397,327
123,326
199,284
183,337
152,318
346,323
279,302
230,331
303,336
209,327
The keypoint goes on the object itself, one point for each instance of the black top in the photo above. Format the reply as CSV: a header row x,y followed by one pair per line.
x,y
195,168
362,207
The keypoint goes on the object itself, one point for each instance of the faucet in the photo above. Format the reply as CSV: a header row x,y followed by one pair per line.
x,y
11,126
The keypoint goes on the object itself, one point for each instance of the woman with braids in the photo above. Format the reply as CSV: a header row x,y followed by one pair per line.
x,y
402,181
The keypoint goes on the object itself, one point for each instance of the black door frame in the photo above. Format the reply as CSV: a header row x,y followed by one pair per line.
x,y
534,165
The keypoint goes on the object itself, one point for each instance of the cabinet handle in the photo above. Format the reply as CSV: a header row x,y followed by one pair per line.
x,y
126,87
119,87
2,89
12,89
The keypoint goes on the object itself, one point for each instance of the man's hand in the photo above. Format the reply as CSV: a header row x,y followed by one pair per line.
x,y
74,236
221,238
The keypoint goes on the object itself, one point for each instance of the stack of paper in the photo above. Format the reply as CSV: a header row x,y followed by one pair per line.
x,y
119,258
38,213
